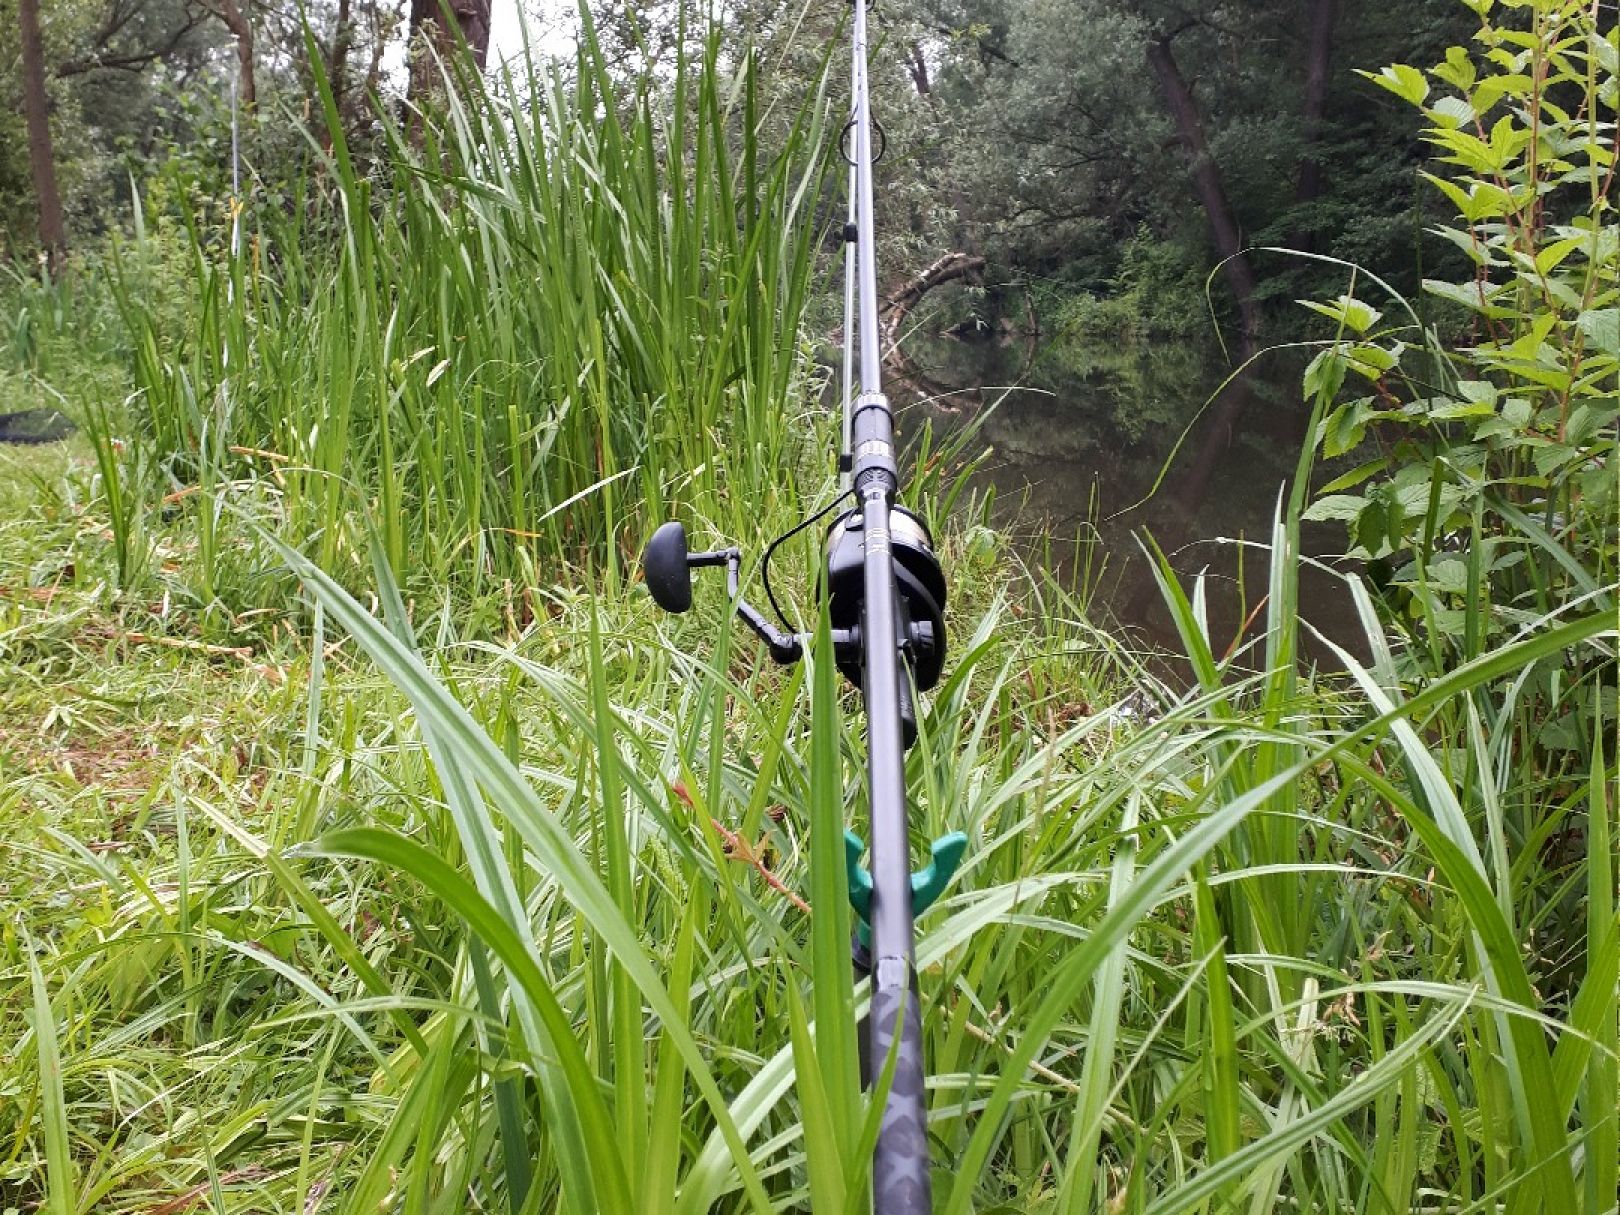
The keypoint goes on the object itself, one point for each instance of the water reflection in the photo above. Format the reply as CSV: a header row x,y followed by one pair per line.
x,y
1085,445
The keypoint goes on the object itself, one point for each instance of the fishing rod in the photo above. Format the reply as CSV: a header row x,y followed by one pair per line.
x,y
885,597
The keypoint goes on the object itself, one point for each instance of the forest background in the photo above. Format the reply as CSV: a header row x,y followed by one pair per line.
x,y
1088,150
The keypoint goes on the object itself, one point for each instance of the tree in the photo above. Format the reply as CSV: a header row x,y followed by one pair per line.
x,y
41,157
1324,14
132,36
434,41
1211,190
470,19
241,29
337,59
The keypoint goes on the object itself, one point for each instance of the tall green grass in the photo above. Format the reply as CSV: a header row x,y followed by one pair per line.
x,y
520,930
563,305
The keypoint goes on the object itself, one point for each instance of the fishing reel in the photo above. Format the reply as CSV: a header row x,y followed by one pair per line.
x,y
919,599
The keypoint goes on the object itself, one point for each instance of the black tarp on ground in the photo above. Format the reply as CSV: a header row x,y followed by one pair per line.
x,y
34,426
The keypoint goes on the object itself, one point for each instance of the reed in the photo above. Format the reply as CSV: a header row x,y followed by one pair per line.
x,y
562,306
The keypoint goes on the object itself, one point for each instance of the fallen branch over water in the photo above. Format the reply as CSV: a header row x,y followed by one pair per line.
x,y
949,268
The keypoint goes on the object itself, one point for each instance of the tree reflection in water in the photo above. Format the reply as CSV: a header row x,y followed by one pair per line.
x,y
1106,442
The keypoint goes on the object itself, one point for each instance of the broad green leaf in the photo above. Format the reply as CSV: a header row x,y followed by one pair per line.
x,y
1451,111
1458,69
1493,88
1551,256
1354,477
1354,314
1451,410
1602,328
1404,81
1477,297
1342,507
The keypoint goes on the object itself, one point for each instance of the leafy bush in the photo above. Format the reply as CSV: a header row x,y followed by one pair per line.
x,y
1486,506
1158,292
1489,498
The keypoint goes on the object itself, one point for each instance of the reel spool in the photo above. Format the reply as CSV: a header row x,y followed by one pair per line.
x,y
918,579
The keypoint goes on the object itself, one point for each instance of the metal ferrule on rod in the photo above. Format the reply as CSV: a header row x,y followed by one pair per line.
x,y
871,439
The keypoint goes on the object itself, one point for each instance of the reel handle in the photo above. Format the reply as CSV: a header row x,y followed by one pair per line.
x,y
667,567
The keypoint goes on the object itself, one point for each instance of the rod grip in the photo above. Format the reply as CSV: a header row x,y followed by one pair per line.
x,y
900,1170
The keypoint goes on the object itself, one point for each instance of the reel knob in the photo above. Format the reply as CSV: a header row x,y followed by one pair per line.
x,y
667,570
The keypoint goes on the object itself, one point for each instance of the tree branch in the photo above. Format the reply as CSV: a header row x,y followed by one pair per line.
x,y
120,14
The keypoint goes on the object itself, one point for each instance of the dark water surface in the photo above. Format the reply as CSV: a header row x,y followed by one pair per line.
x,y
1079,437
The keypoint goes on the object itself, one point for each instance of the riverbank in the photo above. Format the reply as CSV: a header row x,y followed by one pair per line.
x,y
1167,896
372,844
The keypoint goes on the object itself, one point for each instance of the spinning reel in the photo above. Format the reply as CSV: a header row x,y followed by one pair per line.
x,y
919,599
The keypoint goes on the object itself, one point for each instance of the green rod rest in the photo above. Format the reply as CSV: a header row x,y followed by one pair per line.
x,y
945,854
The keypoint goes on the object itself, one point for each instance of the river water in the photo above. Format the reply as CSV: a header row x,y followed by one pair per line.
x,y
1098,447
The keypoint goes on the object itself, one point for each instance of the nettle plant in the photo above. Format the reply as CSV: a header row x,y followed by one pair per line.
x,y
1489,500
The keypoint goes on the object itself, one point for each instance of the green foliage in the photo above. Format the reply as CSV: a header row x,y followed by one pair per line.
x,y
1051,151
1157,293
1485,504
127,80
1490,498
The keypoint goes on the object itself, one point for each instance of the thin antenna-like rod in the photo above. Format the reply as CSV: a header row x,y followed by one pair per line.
x,y
236,145
866,239
236,170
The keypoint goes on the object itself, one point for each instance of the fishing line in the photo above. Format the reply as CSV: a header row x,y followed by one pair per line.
x,y
765,562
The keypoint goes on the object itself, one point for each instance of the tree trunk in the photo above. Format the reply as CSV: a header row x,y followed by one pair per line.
x,y
231,14
344,100
41,157
378,45
423,33
473,16
428,30
337,68
917,67
1318,66
898,306
431,42
1206,177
